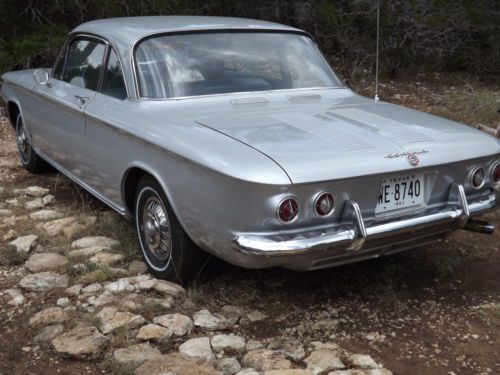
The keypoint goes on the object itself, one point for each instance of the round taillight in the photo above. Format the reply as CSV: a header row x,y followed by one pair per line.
x,y
288,210
324,205
495,173
477,178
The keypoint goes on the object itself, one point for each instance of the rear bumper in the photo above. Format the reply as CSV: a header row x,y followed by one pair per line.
x,y
358,241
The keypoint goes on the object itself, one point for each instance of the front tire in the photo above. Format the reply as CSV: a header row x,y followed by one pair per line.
x,y
29,158
168,251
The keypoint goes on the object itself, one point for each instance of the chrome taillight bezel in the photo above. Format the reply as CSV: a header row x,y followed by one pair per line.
x,y
296,200
471,177
318,196
492,172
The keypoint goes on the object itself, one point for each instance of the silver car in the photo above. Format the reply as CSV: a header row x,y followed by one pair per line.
x,y
234,137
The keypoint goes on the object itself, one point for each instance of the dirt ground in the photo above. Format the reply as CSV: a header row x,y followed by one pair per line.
x,y
435,310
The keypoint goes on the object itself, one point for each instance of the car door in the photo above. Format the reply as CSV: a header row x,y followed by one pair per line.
x,y
59,133
104,147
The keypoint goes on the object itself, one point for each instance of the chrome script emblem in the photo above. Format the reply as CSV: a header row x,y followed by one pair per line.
x,y
411,157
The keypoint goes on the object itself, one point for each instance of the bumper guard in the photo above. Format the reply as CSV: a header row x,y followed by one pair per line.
x,y
353,239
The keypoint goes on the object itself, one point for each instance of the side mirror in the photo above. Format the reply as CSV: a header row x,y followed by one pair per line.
x,y
41,76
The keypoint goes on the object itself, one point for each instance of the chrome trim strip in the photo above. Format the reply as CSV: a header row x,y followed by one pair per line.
x,y
107,44
350,238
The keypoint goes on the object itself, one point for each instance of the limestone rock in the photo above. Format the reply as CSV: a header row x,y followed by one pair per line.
x,y
288,372
74,290
248,371
321,361
46,215
48,199
228,343
265,359
97,241
50,315
86,252
137,354
198,349
362,361
106,258
62,302
256,316
32,191
103,299
34,204
16,295
254,345
40,262
56,227
175,364
178,324
205,319
112,319
92,288
153,332
5,212
44,281
84,342
48,333
231,313
291,348
228,366
10,235
168,288
118,286
25,244
381,371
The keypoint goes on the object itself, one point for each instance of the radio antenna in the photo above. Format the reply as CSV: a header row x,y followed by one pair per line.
x,y
376,98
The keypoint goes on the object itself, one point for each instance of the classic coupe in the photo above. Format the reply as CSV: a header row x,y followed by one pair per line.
x,y
235,138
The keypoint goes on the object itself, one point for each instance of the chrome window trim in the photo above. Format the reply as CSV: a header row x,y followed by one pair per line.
x,y
108,44
206,31
109,49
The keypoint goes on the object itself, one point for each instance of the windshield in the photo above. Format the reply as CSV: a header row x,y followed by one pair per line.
x,y
182,65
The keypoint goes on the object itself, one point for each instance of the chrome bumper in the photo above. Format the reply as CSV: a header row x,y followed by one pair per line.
x,y
354,239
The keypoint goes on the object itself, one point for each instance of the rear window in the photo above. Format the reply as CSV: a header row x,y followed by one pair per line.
x,y
180,65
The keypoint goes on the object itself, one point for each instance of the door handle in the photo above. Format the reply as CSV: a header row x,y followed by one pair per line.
x,y
82,99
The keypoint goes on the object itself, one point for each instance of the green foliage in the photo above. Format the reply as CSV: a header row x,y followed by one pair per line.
x,y
441,35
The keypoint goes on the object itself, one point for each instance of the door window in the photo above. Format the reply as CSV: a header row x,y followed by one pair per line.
x,y
59,65
84,63
114,84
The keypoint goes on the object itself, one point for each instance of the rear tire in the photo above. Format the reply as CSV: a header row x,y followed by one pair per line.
x,y
29,158
166,247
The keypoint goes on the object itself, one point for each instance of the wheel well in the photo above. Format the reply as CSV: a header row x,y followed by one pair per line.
x,y
12,113
134,175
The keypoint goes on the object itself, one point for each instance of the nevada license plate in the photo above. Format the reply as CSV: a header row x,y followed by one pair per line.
x,y
401,192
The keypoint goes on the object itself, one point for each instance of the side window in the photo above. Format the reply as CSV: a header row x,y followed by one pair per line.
x,y
59,65
84,63
114,83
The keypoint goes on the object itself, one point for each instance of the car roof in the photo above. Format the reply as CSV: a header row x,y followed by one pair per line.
x,y
127,30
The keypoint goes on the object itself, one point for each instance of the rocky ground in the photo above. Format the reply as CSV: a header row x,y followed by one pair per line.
x,y
75,297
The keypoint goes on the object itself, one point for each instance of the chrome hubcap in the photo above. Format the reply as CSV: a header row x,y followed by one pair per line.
x,y
22,142
156,229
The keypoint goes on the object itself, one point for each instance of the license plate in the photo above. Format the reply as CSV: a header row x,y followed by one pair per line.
x,y
398,193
